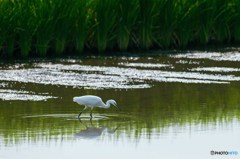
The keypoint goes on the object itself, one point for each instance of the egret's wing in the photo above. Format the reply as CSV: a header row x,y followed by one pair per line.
x,y
100,103
91,100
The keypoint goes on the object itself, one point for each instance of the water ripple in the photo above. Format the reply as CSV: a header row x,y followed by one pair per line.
x,y
6,94
103,77
145,65
133,74
216,69
216,56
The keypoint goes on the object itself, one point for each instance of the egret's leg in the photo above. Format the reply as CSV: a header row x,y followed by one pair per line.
x,y
91,114
82,111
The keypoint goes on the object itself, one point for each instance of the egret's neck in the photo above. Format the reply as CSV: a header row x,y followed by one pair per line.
x,y
107,105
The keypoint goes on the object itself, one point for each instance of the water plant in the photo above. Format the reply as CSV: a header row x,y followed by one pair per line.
x,y
148,16
235,5
80,14
183,15
105,11
127,15
45,26
166,23
39,27
224,17
8,18
26,26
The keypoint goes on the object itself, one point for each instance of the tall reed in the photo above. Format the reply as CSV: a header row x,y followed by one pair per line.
x,y
148,15
80,13
167,21
184,31
205,25
127,15
39,27
224,16
8,25
235,5
64,21
45,27
105,20
26,25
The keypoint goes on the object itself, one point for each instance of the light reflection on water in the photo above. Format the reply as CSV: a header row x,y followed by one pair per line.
x,y
172,107
176,142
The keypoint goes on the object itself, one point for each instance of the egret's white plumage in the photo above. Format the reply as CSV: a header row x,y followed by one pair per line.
x,y
90,101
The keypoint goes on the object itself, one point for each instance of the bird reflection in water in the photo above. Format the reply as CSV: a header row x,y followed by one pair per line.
x,y
94,132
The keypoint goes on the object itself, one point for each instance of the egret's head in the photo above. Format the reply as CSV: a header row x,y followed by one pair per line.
x,y
113,102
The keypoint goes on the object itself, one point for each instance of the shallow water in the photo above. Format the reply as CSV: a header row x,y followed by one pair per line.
x,y
178,106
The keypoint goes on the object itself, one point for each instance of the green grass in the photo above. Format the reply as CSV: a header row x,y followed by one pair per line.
x,y
126,18
80,14
42,27
105,21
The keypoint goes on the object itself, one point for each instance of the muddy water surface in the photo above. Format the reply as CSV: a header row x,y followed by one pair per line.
x,y
173,106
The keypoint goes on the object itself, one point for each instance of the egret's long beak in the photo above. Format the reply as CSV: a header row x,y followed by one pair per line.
x,y
115,104
118,107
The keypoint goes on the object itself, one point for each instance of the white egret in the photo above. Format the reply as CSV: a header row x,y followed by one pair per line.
x,y
90,101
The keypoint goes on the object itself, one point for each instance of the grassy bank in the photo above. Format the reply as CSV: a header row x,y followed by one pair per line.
x,y
41,27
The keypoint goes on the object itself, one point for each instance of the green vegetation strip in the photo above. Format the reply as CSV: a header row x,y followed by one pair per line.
x,y
42,27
